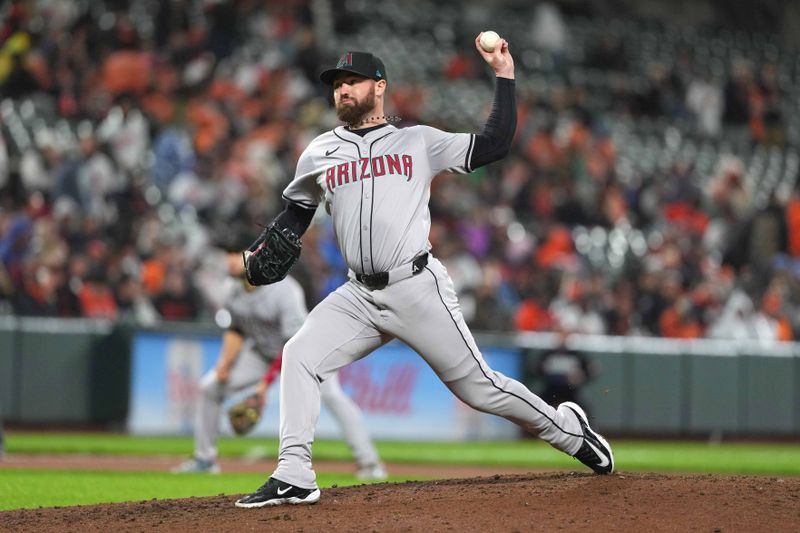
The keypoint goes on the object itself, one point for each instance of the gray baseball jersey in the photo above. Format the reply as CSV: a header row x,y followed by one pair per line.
x,y
268,315
377,188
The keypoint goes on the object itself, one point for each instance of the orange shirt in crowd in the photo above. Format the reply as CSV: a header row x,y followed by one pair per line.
x,y
97,301
771,304
672,325
126,71
793,225
784,332
532,317
153,273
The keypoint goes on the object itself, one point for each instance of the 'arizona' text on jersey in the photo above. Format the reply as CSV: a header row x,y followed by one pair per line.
x,y
377,188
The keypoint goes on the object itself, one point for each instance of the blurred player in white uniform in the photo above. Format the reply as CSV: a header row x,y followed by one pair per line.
x,y
262,319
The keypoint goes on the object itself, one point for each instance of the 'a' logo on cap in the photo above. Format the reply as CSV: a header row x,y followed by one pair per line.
x,y
378,74
346,60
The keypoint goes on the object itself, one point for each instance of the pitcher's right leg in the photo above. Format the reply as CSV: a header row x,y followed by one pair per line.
x,y
428,318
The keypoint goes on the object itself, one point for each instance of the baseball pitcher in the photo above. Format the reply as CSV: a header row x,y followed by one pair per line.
x,y
374,180
262,318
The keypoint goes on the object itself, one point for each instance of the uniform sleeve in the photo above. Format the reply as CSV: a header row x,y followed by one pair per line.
x,y
292,308
236,326
448,151
493,143
304,189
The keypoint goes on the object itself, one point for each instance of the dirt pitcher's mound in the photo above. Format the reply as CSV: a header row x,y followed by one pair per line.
x,y
531,502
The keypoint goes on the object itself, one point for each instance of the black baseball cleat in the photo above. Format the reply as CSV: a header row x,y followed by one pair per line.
x,y
595,452
275,492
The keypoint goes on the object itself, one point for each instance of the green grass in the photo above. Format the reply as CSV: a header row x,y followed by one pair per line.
x,y
34,488
47,488
743,458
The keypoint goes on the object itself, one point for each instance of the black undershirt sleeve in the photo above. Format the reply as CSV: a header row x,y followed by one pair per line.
x,y
494,141
294,217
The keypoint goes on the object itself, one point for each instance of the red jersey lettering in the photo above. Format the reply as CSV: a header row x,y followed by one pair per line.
x,y
393,162
378,166
330,177
364,166
343,173
407,167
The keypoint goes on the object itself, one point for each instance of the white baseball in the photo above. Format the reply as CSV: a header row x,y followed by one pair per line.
x,y
489,40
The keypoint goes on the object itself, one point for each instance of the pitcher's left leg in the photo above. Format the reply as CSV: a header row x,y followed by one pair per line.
x,y
338,331
353,426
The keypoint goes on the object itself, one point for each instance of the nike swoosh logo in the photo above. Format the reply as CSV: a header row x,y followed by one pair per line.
x,y
284,491
603,459
329,152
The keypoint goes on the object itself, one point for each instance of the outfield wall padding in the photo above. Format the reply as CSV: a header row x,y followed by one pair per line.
x,y
79,372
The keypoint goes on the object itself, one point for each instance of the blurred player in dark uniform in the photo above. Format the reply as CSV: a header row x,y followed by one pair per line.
x,y
563,370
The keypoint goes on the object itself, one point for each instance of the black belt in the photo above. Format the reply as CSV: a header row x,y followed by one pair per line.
x,y
380,280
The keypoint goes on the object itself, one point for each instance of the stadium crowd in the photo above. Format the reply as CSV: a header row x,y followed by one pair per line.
x,y
137,135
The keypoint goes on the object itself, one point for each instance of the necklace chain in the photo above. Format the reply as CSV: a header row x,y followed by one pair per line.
x,y
387,118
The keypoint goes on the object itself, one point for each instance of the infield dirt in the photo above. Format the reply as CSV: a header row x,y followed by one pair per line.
x,y
539,501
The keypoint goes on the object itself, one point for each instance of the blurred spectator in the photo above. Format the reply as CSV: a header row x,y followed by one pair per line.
x,y
773,323
573,310
19,81
133,304
793,223
548,31
173,154
96,298
126,131
14,239
37,294
494,300
179,299
464,271
679,320
765,236
766,114
532,313
735,321
738,91
126,72
96,177
704,99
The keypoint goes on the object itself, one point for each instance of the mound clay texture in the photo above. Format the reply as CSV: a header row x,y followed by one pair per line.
x,y
550,501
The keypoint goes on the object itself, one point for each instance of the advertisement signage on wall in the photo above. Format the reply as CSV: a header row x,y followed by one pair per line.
x,y
401,397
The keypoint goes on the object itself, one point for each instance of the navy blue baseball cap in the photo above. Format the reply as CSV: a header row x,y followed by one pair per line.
x,y
361,63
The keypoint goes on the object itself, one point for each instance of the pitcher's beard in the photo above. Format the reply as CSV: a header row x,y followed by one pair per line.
x,y
353,114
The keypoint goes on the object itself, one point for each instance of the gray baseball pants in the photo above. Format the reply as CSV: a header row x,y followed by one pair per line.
x,y
423,312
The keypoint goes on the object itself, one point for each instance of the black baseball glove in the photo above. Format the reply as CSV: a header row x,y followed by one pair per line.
x,y
275,252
